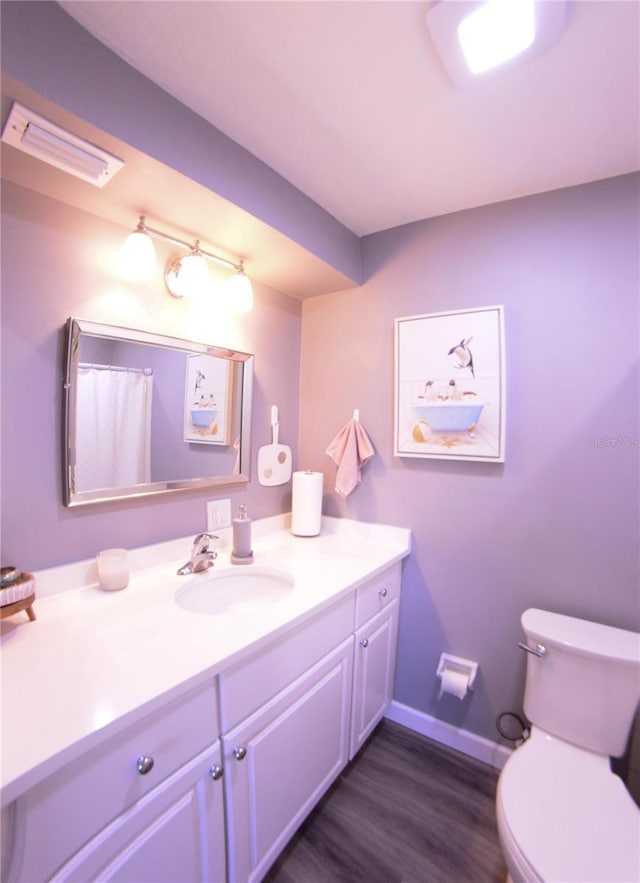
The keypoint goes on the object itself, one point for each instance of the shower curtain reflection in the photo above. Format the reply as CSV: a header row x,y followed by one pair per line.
x,y
114,426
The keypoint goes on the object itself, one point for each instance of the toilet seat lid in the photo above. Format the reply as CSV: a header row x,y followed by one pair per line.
x,y
571,818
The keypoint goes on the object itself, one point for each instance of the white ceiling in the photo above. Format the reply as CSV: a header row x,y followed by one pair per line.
x,y
350,102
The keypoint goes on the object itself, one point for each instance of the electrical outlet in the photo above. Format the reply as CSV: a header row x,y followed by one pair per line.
x,y
218,514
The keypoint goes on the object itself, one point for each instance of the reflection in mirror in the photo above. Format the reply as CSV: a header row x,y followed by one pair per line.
x,y
147,414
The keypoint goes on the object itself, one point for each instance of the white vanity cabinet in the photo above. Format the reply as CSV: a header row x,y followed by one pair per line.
x,y
377,606
237,762
295,714
145,804
282,757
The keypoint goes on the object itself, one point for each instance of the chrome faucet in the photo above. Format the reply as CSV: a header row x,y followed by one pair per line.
x,y
202,557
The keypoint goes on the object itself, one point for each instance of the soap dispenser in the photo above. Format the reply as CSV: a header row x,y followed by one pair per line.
x,y
241,552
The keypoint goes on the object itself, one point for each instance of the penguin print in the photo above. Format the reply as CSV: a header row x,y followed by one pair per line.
x,y
454,393
463,354
430,391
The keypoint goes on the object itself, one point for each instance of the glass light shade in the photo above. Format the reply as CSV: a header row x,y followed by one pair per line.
x,y
496,32
138,256
193,275
240,293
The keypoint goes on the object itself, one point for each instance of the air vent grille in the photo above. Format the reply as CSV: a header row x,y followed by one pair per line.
x,y
31,133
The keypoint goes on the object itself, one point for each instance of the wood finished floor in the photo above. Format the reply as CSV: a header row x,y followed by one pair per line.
x,y
406,810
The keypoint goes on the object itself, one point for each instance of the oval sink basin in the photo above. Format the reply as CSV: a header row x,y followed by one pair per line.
x,y
232,591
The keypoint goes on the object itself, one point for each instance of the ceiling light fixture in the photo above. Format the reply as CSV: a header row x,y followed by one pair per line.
x,y
42,139
187,274
496,32
476,40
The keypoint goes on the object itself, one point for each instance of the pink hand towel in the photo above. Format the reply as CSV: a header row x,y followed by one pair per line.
x,y
350,450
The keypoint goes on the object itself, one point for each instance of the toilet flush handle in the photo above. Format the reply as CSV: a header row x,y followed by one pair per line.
x,y
539,650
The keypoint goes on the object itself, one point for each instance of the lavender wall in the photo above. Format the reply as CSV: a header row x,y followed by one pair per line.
x,y
557,525
57,262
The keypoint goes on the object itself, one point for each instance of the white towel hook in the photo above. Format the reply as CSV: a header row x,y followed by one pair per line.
x,y
356,415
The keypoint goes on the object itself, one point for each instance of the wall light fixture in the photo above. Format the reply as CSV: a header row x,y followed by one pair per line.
x,y
186,274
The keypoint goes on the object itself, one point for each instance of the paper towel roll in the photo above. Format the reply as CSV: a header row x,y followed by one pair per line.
x,y
306,504
455,683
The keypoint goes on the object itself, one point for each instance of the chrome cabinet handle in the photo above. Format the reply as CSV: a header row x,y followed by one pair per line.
x,y
240,752
539,650
215,771
364,643
383,593
144,764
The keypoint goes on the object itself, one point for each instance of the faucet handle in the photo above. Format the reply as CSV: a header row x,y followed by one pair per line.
x,y
201,542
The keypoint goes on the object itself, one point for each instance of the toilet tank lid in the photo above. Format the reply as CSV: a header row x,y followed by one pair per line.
x,y
582,636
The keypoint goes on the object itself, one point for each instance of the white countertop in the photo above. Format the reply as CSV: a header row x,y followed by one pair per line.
x,y
93,662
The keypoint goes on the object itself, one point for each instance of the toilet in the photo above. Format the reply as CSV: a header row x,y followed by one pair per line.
x,y
562,814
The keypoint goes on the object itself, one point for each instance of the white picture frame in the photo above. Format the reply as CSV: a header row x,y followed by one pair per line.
x,y
450,385
207,400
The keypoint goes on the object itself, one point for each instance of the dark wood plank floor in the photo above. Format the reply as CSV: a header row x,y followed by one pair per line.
x,y
406,810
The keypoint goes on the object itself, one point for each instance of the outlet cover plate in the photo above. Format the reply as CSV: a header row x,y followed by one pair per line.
x,y
218,515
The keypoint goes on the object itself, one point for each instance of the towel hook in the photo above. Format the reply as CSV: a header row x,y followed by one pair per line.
x,y
356,414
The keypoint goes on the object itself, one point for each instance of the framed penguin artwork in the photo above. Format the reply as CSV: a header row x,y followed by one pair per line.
x,y
450,385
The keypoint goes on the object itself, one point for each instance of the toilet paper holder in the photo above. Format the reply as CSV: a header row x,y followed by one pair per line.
x,y
459,666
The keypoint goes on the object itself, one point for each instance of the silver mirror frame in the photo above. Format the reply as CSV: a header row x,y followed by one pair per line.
x,y
76,327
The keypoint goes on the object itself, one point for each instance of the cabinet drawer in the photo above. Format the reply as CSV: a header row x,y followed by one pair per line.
x,y
57,817
373,596
251,683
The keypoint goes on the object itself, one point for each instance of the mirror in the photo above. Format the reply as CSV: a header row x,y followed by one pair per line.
x,y
147,414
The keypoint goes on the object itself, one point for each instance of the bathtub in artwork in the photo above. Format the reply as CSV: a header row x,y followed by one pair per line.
x,y
450,416
203,418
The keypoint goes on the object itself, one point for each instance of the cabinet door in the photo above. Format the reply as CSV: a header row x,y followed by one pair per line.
x,y
279,762
175,833
374,669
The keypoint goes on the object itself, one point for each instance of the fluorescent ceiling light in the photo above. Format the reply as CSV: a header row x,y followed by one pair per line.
x,y
496,32
33,134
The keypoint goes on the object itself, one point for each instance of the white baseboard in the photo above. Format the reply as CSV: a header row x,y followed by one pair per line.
x,y
453,737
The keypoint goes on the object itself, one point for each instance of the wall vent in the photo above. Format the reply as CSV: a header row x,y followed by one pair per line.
x,y
38,137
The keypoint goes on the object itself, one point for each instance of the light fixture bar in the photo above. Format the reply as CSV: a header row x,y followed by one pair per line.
x,y
184,276
160,234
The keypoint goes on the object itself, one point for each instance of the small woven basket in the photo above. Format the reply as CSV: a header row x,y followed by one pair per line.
x,y
18,595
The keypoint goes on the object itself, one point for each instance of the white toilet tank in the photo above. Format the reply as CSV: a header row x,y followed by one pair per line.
x,y
586,688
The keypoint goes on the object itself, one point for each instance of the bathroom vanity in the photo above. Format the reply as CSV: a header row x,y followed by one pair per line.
x,y
147,741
